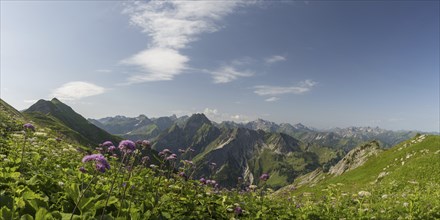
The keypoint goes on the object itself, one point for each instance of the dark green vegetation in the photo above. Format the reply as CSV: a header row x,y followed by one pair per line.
x,y
46,183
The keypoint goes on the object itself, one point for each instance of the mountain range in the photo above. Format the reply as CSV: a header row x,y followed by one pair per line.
x,y
249,149
222,151
142,127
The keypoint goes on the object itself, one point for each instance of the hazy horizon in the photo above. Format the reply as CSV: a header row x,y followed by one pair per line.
x,y
322,64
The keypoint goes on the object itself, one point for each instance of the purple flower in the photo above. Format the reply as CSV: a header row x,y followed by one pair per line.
x,y
111,148
181,151
127,146
102,167
145,159
28,127
171,157
101,164
82,170
146,143
107,144
238,210
182,174
264,177
202,180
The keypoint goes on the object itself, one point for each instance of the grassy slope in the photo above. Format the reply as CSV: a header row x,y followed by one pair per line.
x,y
413,160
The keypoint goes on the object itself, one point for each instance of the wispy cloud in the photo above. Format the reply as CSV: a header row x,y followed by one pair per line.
x,y
77,90
171,26
274,59
302,87
229,73
217,116
159,63
272,99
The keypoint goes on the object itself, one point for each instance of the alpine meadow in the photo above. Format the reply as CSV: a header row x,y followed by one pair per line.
x,y
228,109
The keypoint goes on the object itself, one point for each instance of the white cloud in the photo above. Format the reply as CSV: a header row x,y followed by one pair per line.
x,y
302,87
275,59
77,90
174,24
272,99
215,115
157,64
171,26
229,73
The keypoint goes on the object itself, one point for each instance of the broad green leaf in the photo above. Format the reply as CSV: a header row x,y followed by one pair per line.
x,y
42,214
5,213
166,215
26,217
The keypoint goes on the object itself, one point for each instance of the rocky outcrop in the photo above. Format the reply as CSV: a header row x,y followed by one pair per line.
x,y
355,158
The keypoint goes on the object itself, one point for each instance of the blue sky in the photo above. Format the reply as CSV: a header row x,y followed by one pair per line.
x,y
322,63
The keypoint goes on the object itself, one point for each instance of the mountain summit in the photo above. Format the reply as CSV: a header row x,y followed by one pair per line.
x,y
65,120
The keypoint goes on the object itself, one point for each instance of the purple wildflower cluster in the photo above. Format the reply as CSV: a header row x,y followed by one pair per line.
x,y
208,182
165,152
101,164
107,144
264,177
238,210
28,127
172,157
127,146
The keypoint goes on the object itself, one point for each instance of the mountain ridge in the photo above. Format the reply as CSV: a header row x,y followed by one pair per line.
x,y
63,118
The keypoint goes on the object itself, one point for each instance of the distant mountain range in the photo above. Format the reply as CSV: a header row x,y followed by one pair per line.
x,y
142,127
249,149
222,151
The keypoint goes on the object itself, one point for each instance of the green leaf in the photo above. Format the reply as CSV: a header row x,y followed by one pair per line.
x,y
101,203
166,215
86,204
42,214
26,217
5,213
20,202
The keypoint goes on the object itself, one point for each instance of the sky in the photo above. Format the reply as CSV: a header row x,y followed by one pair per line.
x,y
321,63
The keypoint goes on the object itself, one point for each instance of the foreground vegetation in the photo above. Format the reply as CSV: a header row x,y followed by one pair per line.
x,y
43,176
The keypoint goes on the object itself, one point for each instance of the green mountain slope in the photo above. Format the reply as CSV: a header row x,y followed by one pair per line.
x,y
63,119
405,177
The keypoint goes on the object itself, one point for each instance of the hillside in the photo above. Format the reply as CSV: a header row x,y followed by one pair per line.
x,y
404,177
63,119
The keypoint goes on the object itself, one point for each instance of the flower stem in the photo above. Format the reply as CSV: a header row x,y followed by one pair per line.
x,y
113,184
82,194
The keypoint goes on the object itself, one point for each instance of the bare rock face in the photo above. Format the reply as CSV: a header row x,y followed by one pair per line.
x,y
355,158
